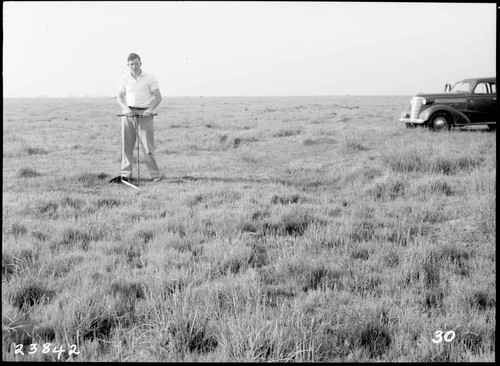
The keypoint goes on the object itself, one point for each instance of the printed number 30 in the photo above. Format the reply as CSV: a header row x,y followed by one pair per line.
x,y
448,336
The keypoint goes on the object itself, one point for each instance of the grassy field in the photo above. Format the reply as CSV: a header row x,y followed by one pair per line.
x,y
286,229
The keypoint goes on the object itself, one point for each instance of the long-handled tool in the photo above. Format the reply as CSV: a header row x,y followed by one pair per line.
x,y
120,179
136,119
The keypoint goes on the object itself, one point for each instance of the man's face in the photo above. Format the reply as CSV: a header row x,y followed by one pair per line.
x,y
135,65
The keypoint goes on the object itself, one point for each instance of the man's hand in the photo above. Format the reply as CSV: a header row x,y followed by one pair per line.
x,y
147,112
128,112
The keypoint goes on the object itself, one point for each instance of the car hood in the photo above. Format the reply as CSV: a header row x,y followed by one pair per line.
x,y
451,95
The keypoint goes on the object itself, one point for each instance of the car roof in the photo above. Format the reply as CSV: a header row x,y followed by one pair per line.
x,y
488,79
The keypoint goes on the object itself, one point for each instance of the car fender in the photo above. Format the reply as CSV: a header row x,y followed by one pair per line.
x,y
458,117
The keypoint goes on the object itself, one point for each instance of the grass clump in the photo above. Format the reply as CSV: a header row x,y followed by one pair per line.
x,y
258,255
353,143
71,237
48,209
389,189
61,265
17,230
29,295
28,173
108,203
287,132
287,199
481,299
128,290
72,202
190,335
291,223
92,179
429,160
36,151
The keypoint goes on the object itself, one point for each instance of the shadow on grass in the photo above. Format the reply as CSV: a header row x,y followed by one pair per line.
x,y
298,183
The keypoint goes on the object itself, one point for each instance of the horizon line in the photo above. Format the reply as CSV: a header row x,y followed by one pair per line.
x,y
210,96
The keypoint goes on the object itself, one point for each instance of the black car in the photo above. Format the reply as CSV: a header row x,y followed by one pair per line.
x,y
469,102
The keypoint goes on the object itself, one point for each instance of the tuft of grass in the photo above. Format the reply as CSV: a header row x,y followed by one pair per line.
x,y
99,328
391,258
287,132
44,333
424,268
389,189
362,230
74,237
286,199
442,186
133,255
340,336
291,222
19,331
190,335
92,179
48,209
108,202
61,265
481,299
258,255
17,230
35,151
144,235
433,298
28,173
360,253
375,338
274,295
128,291
319,141
353,143
29,295
10,265
429,160
320,277
72,202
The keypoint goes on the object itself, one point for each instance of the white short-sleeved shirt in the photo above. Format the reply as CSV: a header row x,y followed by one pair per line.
x,y
138,92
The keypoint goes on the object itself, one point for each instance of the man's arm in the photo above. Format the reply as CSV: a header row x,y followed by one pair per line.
x,y
154,103
122,103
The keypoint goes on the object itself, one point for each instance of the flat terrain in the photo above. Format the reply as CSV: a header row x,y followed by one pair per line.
x,y
286,229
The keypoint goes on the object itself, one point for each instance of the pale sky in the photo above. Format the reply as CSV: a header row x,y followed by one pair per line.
x,y
60,49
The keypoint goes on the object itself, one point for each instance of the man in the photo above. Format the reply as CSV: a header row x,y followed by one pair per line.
x,y
138,94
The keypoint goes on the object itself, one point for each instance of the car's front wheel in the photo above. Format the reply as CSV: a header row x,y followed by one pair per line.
x,y
439,122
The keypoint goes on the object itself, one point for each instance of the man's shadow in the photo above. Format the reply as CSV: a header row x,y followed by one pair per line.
x,y
190,178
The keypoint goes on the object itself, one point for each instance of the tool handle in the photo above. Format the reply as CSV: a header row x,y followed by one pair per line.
x,y
136,115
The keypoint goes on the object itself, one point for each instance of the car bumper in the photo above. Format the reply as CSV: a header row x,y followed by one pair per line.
x,y
411,120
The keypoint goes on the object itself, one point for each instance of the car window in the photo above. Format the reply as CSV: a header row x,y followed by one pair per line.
x,y
481,88
461,86
493,88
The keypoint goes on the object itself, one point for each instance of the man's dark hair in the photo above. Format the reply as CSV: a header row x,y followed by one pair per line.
x,y
133,56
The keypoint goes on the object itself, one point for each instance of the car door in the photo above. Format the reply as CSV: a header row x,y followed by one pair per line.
x,y
482,103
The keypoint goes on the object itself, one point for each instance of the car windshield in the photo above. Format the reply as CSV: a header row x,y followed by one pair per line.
x,y
462,86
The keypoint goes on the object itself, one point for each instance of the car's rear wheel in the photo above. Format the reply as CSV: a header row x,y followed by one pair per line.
x,y
439,122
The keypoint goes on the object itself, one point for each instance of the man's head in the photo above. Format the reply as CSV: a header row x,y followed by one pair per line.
x,y
133,56
134,62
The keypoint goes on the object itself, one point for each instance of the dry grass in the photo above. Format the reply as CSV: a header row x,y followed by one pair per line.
x,y
286,229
